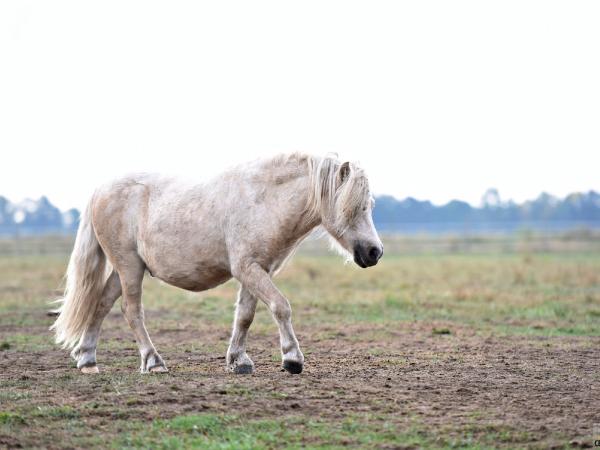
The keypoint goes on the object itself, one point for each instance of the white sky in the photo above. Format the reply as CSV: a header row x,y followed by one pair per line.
x,y
438,100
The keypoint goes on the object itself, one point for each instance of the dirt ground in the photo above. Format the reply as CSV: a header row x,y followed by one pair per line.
x,y
540,391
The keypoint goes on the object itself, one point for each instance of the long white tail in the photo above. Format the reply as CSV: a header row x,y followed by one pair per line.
x,y
85,282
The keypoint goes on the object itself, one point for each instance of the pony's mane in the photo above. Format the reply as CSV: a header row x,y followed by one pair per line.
x,y
337,191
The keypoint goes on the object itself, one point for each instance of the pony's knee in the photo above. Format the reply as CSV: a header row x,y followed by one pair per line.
x,y
132,291
281,311
244,321
244,315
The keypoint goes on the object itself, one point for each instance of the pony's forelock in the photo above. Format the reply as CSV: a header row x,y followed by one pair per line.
x,y
333,199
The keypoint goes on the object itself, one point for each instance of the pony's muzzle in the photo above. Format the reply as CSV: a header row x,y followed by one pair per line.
x,y
367,255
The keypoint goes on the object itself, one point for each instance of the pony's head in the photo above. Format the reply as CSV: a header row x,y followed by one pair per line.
x,y
340,199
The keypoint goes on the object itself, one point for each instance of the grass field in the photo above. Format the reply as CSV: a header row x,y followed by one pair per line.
x,y
492,347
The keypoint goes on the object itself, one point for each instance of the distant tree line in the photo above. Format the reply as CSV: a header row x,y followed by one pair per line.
x,y
390,214
36,217
546,212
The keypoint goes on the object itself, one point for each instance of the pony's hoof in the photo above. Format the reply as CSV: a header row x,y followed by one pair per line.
x,y
152,362
292,367
243,369
89,369
240,364
84,357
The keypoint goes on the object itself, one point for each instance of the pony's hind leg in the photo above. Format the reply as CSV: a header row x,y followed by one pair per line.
x,y
237,359
132,274
85,351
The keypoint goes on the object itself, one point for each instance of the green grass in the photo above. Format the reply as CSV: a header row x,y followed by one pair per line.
x,y
22,342
230,432
222,431
210,431
8,418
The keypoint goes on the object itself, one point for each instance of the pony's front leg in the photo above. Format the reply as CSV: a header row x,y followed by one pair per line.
x,y
237,359
259,284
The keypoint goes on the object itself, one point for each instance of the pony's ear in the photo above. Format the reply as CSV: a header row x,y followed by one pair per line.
x,y
344,172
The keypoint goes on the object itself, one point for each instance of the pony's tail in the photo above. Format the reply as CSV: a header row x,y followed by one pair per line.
x,y
85,281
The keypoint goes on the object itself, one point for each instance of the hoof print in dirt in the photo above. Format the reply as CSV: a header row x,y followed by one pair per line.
x,y
292,367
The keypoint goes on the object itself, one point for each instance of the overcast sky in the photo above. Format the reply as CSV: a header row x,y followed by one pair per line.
x,y
437,100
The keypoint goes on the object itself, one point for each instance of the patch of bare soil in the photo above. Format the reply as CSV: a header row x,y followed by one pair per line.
x,y
543,389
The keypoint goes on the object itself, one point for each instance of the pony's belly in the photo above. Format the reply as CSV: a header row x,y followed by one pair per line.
x,y
200,279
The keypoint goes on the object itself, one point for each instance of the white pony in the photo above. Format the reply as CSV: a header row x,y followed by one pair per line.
x,y
242,224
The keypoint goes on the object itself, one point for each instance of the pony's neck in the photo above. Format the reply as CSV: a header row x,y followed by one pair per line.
x,y
292,173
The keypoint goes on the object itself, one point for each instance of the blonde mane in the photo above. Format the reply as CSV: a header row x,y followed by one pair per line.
x,y
337,192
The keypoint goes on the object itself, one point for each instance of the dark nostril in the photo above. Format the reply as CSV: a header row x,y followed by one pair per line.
x,y
374,253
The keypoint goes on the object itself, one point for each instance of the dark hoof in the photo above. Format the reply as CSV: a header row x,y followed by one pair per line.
x,y
243,369
292,367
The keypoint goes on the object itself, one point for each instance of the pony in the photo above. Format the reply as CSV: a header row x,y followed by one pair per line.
x,y
245,223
